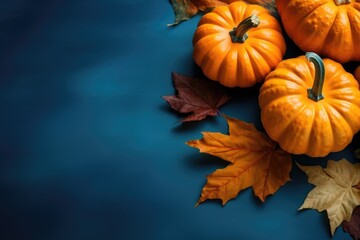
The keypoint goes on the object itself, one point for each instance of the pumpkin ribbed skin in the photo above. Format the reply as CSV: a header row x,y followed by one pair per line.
x,y
323,27
301,125
233,63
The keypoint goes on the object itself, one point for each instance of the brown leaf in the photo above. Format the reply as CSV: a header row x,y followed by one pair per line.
x,y
336,190
185,9
353,226
202,97
255,161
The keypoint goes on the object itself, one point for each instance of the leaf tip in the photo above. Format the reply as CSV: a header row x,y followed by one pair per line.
x,y
166,98
191,143
201,200
262,199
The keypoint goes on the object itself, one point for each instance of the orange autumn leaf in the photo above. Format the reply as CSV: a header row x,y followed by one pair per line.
x,y
255,161
185,9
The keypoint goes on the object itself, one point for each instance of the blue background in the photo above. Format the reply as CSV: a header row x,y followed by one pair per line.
x,y
90,150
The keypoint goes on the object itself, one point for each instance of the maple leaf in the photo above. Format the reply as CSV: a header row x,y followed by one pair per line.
x,y
255,161
202,97
336,190
185,9
353,226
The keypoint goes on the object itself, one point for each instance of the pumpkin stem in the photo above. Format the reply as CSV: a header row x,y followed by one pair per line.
x,y
238,34
340,2
315,93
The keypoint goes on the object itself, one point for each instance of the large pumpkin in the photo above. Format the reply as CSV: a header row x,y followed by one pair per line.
x,y
310,106
238,44
330,28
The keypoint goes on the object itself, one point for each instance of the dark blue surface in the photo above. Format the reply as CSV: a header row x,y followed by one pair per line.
x,y
90,150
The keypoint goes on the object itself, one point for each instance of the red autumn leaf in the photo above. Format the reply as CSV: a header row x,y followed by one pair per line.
x,y
201,97
185,9
255,161
353,226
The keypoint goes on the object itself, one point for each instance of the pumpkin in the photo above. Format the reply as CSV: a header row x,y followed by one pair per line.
x,y
328,27
310,106
357,73
238,44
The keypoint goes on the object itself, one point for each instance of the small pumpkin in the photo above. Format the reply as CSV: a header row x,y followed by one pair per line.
x,y
328,27
238,44
310,106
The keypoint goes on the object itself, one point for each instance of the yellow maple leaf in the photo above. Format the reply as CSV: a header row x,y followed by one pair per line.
x,y
255,161
337,190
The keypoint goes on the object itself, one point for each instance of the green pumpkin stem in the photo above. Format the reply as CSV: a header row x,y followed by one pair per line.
x,y
340,2
238,34
315,93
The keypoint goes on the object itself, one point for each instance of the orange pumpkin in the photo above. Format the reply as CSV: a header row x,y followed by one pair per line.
x,y
328,27
238,44
310,106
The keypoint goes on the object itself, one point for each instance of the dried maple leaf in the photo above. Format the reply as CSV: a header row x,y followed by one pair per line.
x,y
202,97
185,9
353,226
336,190
255,161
